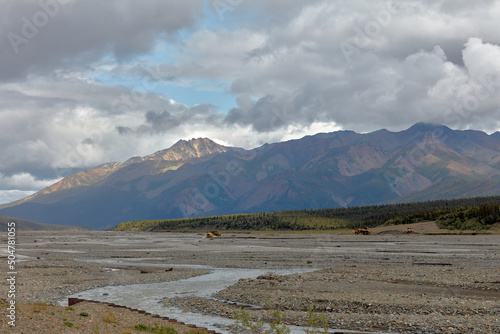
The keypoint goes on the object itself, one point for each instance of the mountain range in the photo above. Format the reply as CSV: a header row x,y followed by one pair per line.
x,y
200,177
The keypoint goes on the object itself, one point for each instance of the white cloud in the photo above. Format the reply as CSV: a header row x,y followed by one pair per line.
x,y
411,61
24,182
42,36
7,196
481,59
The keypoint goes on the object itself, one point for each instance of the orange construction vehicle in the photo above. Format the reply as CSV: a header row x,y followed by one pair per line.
x,y
213,234
364,231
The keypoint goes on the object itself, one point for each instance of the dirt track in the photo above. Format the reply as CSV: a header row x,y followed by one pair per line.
x,y
410,283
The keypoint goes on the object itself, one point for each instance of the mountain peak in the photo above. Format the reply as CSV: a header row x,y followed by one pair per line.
x,y
194,142
189,149
426,127
179,153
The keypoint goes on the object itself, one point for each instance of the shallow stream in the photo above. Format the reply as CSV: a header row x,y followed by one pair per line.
x,y
147,297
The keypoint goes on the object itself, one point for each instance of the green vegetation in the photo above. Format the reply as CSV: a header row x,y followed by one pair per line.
x,y
317,322
156,329
243,317
141,327
69,324
276,322
258,221
84,314
474,218
476,214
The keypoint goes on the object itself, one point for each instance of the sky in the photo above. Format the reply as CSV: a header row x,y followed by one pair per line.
x,y
84,82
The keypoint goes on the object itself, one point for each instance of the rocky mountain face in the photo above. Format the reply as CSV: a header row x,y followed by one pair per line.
x,y
199,177
170,159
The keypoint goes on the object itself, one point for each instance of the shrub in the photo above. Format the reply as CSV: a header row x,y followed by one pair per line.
x,y
243,317
140,327
315,321
109,318
156,329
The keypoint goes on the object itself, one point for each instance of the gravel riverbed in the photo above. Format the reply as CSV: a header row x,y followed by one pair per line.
x,y
372,298
388,283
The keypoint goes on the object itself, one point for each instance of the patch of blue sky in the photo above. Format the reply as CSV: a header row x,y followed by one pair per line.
x,y
202,92
193,93
189,92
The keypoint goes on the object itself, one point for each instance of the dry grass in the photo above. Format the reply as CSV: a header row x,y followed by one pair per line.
x,y
42,318
110,318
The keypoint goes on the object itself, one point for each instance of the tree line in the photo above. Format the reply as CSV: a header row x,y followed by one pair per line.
x,y
477,213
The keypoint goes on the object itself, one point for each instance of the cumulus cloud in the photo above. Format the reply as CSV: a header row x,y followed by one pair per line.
x,y
294,68
385,61
40,36
23,181
389,93
42,131
21,185
7,196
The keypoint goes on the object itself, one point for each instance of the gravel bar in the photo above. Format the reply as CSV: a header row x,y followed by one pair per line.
x,y
388,283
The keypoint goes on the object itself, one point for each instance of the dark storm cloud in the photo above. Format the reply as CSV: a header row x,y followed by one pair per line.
x,y
176,114
40,36
162,121
268,113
